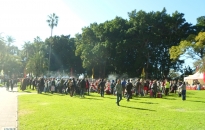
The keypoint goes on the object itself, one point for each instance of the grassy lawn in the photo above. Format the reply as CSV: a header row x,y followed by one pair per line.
x,y
62,112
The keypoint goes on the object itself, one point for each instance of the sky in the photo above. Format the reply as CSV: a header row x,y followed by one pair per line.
x,y
24,20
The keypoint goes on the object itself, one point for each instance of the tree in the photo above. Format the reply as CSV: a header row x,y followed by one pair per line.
x,y
128,46
34,57
63,55
10,40
173,74
150,37
201,21
193,46
52,22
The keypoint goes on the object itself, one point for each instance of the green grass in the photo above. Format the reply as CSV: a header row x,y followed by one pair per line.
x,y
62,112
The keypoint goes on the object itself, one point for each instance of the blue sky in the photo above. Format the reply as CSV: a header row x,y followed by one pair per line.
x,y
26,19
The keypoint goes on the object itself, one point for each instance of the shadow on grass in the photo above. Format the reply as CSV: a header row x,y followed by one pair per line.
x,y
196,101
149,102
90,98
144,109
195,97
47,94
169,98
95,94
136,98
110,97
26,91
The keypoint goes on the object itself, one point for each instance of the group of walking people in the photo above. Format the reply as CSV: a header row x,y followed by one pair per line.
x,y
10,83
141,87
53,85
120,88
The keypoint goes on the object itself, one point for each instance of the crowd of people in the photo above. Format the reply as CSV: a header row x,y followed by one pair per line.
x,y
9,83
120,88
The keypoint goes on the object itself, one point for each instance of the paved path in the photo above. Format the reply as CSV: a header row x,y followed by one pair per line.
x,y
8,109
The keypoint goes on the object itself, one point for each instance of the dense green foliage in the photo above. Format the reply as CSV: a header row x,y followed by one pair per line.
x,y
143,41
10,62
148,41
56,111
193,46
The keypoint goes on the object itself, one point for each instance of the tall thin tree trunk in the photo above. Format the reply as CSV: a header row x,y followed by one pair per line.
x,y
49,54
146,72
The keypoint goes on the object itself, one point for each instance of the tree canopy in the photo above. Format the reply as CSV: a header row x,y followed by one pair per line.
x,y
147,42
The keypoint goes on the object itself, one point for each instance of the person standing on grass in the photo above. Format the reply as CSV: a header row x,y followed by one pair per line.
x,y
112,86
74,84
41,85
137,87
146,86
87,86
154,88
77,88
102,87
46,86
98,85
7,84
183,87
71,86
167,86
129,87
30,82
82,87
123,87
49,85
118,88
53,84
12,84
68,86
34,83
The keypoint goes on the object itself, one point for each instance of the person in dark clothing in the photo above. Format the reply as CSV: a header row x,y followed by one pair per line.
x,y
61,85
87,86
34,84
53,86
41,85
112,86
30,82
137,87
82,88
129,87
154,88
74,85
77,87
71,86
175,87
123,87
12,84
7,84
102,87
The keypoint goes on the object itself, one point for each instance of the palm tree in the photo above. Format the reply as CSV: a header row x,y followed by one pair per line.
x,y
10,40
52,22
